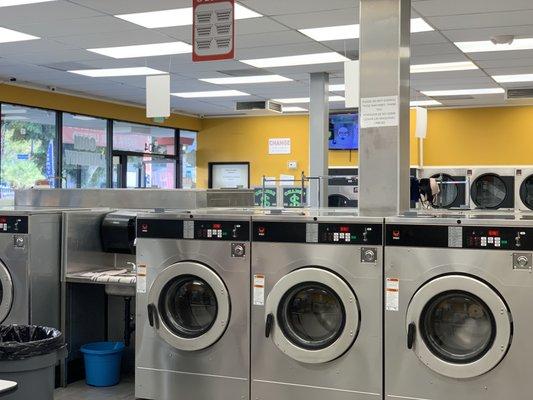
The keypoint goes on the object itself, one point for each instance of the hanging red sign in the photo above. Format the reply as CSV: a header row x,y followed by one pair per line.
x,y
213,31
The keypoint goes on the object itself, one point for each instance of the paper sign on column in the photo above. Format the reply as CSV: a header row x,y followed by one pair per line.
x,y
279,146
259,290
380,112
141,278
392,294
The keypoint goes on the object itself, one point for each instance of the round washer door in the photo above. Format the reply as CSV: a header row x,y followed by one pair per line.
x,y
193,306
314,314
526,192
489,191
449,190
458,326
338,201
6,292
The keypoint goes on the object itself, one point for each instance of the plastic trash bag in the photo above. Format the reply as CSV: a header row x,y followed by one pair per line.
x,y
19,342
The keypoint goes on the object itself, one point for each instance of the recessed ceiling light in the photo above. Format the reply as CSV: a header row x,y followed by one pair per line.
x,y
462,92
213,93
297,100
443,67
484,46
513,78
337,88
8,36
425,103
246,79
289,109
9,3
145,50
344,32
177,17
291,61
112,72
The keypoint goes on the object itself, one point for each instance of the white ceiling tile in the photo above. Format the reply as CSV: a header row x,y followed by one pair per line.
x,y
430,8
11,17
132,6
332,17
280,7
121,38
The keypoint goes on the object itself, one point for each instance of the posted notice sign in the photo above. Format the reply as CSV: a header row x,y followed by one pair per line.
x,y
213,30
380,112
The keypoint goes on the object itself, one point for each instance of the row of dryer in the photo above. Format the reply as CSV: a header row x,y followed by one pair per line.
x,y
483,188
317,305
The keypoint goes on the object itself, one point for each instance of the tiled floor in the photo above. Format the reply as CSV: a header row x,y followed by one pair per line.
x,y
80,391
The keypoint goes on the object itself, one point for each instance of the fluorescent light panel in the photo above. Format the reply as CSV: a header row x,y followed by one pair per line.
x,y
297,100
9,3
213,93
290,109
425,103
443,67
144,50
484,46
246,79
462,92
344,32
513,78
292,61
113,72
8,36
177,17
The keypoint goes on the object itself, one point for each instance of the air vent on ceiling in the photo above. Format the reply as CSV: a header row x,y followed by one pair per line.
x,y
259,106
452,98
524,93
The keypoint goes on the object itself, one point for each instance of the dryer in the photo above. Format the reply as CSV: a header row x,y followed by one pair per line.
x,y
458,316
492,188
524,189
193,306
317,307
453,184
343,191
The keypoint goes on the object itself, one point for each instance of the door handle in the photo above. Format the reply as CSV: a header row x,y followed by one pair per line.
x,y
268,325
411,334
153,318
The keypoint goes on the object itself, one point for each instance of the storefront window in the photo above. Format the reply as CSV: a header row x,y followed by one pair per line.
x,y
28,149
143,139
84,152
188,147
150,172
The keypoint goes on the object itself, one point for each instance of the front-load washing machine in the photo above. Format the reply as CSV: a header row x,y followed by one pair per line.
x,y
524,189
343,191
492,188
317,307
193,305
458,294
453,185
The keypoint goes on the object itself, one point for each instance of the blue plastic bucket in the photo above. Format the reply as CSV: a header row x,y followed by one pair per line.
x,y
102,363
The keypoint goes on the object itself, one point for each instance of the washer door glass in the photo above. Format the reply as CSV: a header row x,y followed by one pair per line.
x,y
448,190
526,192
489,191
193,306
188,306
311,315
315,313
460,326
6,292
338,201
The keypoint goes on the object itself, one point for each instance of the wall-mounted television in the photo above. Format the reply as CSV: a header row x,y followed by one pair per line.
x,y
344,131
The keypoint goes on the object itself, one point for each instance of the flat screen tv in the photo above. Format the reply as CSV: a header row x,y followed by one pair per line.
x,y
343,132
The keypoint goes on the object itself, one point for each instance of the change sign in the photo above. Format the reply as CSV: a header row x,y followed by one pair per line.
x,y
266,198
213,30
293,197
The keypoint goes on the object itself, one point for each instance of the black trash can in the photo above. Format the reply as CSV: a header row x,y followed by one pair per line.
x,y
28,356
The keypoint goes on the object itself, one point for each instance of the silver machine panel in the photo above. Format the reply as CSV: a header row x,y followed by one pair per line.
x,y
457,319
193,307
316,313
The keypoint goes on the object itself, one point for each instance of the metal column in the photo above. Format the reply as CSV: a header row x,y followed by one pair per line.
x,y
318,139
384,54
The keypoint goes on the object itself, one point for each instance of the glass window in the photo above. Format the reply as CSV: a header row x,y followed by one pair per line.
x,y
84,151
188,147
150,172
28,149
143,139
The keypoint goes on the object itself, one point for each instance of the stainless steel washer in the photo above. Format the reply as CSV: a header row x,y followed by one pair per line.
x,y
193,306
317,307
458,317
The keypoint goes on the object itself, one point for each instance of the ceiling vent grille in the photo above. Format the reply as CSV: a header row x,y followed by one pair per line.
x,y
259,107
525,93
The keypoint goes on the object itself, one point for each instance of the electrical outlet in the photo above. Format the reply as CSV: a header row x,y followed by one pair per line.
x,y
293,165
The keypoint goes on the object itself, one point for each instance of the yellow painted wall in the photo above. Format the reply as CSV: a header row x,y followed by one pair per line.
x,y
97,108
246,139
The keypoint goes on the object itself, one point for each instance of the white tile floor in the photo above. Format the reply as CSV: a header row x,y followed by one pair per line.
x,y
80,391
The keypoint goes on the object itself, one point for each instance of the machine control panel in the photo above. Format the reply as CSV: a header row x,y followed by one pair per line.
x,y
160,228
222,230
193,229
14,224
322,233
467,237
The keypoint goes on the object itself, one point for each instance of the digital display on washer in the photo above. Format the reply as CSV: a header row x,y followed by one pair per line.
x,y
160,228
468,237
324,233
222,230
13,224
